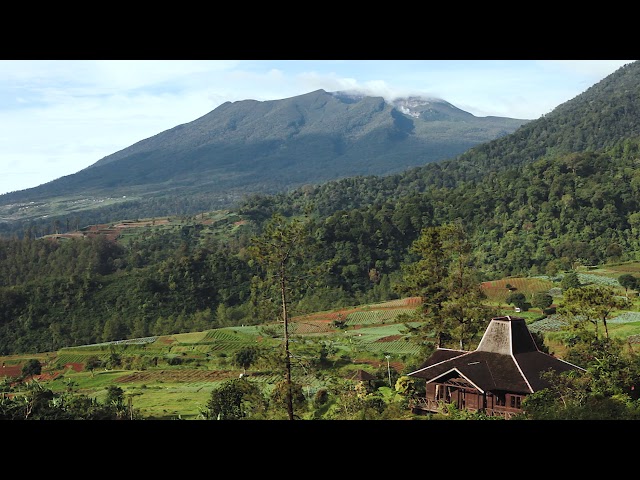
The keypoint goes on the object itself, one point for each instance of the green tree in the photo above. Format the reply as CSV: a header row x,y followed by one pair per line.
x,y
112,329
235,399
628,281
464,303
245,357
605,390
570,280
443,276
541,300
281,396
593,304
115,397
425,277
31,367
517,299
281,250
92,363
568,391
114,359
36,404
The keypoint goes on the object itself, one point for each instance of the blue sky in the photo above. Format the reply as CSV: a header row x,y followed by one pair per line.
x,y
60,116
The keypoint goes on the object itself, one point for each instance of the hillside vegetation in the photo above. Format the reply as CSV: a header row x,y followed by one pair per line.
x,y
173,376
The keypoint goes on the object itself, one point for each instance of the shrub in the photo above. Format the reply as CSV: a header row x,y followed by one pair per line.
x,y
321,397
541,300
518,299
31,367
570,280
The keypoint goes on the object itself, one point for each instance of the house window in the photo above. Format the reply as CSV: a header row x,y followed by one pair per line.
x,y
500,400
516,401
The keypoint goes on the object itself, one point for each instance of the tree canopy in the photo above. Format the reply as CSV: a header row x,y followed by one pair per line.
x,y
442,275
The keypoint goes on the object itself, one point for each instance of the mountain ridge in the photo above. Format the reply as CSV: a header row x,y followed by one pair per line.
x,y
248,146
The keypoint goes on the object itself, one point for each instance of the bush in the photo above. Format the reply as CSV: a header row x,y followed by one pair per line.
x,y
541,300
31,367
375,403
518,300
570,280
321,397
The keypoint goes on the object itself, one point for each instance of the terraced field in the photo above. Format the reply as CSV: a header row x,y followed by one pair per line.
x,y
172,376
498,291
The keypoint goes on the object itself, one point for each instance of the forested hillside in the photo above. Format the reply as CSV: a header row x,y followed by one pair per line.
x,y
539,217
545,217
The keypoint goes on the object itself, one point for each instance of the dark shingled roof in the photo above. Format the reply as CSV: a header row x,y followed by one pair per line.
x,y
507,358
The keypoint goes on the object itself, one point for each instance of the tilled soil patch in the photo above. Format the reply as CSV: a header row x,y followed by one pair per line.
x,y
178,376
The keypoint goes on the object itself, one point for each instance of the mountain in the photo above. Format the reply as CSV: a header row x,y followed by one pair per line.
x,y
247,147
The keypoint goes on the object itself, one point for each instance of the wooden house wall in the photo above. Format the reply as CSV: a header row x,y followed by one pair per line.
x,y
431,391
473,400
470,399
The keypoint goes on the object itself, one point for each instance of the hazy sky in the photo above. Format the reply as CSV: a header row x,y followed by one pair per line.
x,y
60,116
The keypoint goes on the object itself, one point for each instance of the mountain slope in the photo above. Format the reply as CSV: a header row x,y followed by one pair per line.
x,y
598,118
251,147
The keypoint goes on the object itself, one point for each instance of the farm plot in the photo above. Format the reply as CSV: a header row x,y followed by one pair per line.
x,y
304,327
409,302
185,349
626,317
228,334
228,340
374,317
553,323
374,314
390,339
498,291
11,370
180,375
323,322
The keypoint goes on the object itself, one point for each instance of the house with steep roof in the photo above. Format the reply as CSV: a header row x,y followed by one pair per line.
x,y
494,378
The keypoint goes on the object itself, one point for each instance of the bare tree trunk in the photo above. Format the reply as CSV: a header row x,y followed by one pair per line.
x,y
283,293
